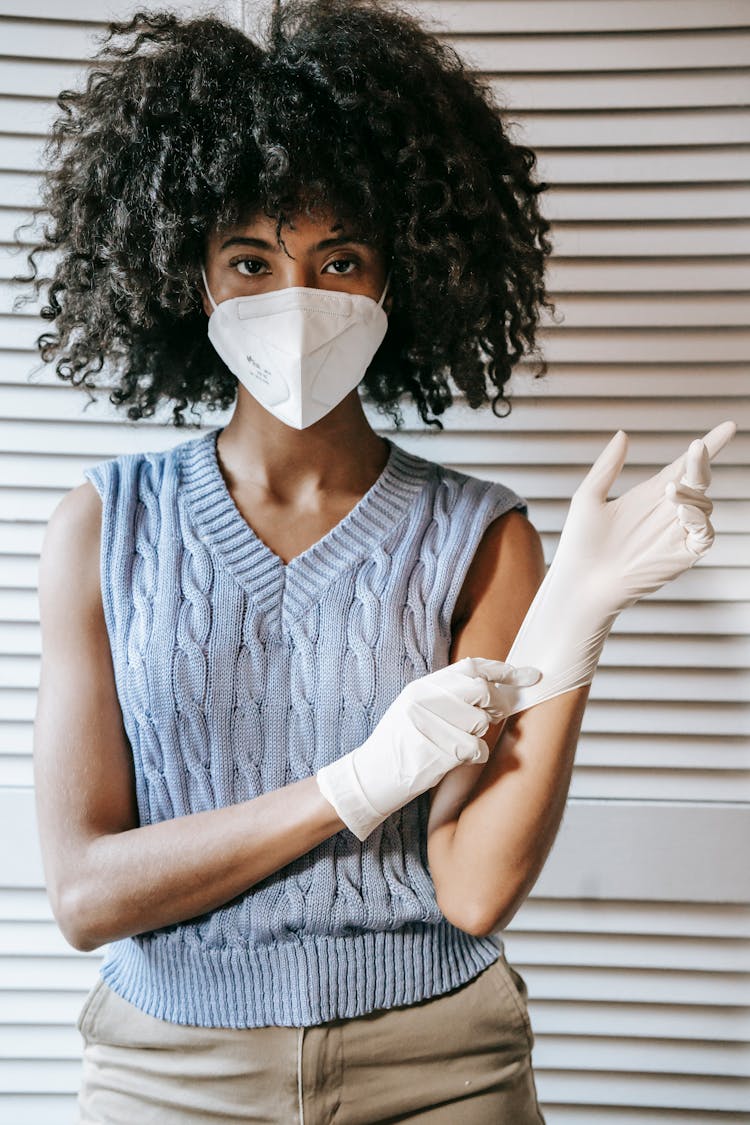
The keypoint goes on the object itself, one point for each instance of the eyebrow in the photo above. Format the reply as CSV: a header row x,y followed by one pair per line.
x,y
261,244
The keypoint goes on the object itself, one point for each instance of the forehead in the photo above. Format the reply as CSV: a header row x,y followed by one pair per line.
x,y
300,224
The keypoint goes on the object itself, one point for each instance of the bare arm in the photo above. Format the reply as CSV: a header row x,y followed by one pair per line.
x,y
107,877
492,825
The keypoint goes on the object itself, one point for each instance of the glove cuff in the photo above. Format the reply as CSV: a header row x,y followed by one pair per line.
x,y
340,785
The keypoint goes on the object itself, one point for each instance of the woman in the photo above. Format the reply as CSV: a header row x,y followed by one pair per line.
x,y
268,786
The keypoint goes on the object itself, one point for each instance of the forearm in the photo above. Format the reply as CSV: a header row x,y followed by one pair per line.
x,y
158,874
487,855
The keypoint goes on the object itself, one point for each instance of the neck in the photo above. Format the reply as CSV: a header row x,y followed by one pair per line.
x,y
340,452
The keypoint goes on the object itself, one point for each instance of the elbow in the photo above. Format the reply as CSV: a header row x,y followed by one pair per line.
x,y
474,918
480,917
72,921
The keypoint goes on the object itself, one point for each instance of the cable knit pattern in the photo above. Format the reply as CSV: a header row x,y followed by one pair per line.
x,y
238,674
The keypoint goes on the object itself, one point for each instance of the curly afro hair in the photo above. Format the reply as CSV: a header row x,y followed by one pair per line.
x,y
185,125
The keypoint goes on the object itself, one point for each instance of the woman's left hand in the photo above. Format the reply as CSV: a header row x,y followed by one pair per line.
x,y
610,554
628,547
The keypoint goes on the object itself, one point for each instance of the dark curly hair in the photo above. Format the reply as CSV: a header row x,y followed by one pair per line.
x,y
188,124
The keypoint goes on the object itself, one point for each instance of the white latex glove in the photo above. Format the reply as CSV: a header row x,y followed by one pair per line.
x,y
610,554
433,725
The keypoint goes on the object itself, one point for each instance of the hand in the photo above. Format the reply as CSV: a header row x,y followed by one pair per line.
x,y
625,548
433,725
610,554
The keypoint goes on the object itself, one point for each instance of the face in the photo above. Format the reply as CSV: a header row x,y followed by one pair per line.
x,y
321,252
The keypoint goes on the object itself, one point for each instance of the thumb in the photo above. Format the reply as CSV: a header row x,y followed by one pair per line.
x,y
607,467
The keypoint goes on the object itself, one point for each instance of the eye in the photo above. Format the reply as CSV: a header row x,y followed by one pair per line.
x,y
237,262
344,262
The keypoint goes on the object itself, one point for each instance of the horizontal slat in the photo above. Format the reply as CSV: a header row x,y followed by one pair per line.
x,y
26,77
648,784
575,1114
511,17
687,753
655,240
52,1043
652,240
519,54
632,166
669,1093
715,719
636,89
540,915
95,11
647,276
660,128
643,202
29,39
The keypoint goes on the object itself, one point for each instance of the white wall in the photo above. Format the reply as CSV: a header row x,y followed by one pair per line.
x,y
635,942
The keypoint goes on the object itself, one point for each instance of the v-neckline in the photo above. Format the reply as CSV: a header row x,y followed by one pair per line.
x,y
287,588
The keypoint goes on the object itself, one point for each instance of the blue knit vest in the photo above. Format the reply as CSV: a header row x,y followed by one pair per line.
x,y
238,674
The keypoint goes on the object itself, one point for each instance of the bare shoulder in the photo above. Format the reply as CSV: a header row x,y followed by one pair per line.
x,y
71,544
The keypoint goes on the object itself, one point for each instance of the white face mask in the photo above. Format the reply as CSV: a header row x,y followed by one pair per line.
x,y
299,350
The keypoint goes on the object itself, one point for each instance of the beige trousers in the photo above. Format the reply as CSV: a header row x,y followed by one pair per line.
x,y
464,1056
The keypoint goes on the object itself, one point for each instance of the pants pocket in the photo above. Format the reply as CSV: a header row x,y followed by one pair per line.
x,y
512,990
88,1011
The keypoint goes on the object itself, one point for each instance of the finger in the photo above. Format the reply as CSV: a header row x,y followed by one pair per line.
x,y
681,494
607,467
714,441
699,528
698,466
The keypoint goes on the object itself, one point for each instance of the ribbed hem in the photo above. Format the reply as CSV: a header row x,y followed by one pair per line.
x,y
297,983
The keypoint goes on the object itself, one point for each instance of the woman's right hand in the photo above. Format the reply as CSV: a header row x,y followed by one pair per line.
x,y
433,725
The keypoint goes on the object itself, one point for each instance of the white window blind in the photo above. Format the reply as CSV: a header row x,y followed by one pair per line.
x,y
635,941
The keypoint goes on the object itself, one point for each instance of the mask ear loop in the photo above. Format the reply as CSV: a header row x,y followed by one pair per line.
x,y
208,291
385,288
